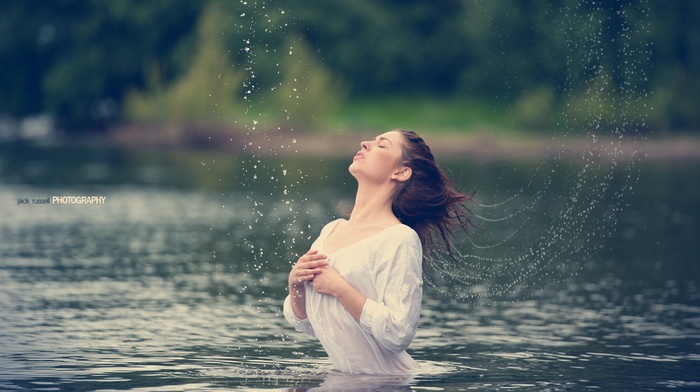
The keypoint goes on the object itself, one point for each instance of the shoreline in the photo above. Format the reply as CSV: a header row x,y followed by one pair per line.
x,y
478,145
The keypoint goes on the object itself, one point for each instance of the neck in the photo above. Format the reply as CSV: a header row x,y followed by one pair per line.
x,y
372,205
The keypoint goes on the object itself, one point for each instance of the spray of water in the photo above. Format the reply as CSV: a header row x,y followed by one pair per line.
x,y
265,195
529,252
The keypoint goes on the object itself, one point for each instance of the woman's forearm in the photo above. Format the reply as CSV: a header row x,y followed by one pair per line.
x,y
297,295
352,300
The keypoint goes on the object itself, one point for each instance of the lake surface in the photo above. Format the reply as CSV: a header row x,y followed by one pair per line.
x,y
579,276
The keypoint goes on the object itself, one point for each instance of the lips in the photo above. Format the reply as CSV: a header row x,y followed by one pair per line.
x,y
359,155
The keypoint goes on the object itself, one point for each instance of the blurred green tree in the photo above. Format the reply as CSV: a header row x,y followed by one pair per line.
x,y
387,46
76,58
557,62
211,84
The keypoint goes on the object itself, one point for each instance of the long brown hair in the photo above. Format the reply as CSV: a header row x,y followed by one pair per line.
x,y
428,202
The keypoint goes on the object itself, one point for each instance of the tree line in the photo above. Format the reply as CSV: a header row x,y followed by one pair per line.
x,y
635,63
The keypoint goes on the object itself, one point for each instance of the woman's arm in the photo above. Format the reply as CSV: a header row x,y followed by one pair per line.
x,y
397,275
393,318
297,298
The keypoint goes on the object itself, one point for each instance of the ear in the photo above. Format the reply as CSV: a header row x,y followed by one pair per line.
x,y
402,174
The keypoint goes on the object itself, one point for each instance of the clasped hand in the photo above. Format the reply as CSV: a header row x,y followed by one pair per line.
x,y
313,267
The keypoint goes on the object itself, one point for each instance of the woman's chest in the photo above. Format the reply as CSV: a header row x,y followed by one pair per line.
x,y
355,264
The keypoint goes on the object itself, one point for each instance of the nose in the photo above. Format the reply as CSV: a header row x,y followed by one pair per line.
x,y
365,145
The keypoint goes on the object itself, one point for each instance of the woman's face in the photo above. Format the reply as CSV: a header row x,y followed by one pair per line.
x,y
379,159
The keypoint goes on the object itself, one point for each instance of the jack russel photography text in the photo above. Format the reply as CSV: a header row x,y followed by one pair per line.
x,y
87,200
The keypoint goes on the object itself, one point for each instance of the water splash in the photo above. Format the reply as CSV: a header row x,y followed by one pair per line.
x,y
528,253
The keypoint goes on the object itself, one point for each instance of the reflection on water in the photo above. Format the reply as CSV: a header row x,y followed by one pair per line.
x,y
176,282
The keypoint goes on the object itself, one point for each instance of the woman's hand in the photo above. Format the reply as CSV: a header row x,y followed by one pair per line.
x,y
329,282
306,268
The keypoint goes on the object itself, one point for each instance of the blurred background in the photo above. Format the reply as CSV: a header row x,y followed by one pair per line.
x,y
220,132
83,67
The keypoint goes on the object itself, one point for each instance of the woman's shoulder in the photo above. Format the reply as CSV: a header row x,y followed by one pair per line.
x,y
400,235
336,222
406,232
332,224
399,242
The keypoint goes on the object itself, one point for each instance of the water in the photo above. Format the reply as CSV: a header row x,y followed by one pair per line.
x,y
177,281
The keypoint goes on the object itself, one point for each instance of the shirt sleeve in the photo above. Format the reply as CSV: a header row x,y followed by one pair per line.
x,y
303,326
393,318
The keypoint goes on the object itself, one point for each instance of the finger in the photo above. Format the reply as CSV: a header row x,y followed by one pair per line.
x,y
302,271
314,257
306,255
316,264
303,275
305,278
312,269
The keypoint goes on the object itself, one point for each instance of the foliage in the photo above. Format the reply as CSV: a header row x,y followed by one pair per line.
x,y
308,90
76,58
568,64
210,86
216,86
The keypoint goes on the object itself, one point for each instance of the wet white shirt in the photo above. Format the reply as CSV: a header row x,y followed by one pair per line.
x,y
387,269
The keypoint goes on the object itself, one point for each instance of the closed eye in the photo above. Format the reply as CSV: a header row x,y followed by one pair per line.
x,y
383,140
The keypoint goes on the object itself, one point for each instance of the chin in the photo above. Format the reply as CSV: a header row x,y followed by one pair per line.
x,y
357,171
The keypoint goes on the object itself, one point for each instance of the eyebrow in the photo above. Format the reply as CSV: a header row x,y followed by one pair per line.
x,y
383,138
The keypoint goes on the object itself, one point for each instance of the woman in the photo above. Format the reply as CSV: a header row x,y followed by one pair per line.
x,y
359,288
